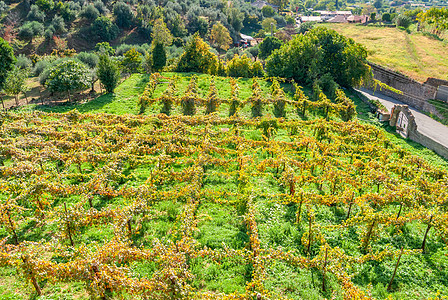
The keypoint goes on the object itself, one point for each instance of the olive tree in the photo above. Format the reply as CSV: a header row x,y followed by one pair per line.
x,y
68,76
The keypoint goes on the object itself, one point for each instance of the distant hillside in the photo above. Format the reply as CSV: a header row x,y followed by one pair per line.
x,y
415,54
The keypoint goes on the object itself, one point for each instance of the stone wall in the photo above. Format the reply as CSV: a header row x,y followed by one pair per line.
x,y
408,86
435,82
412,131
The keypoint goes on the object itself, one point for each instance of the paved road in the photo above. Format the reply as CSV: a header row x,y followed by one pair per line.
x,y
425,125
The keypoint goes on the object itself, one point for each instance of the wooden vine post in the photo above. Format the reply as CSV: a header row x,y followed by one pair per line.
x,y
426,234
68,226
26,261
324,269
309,235
389,287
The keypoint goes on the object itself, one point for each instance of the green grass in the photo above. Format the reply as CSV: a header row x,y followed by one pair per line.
x,y
416,55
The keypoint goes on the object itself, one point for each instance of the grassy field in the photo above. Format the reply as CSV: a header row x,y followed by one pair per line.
x,y
415,54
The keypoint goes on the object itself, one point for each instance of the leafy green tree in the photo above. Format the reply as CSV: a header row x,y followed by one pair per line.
x,y
220,36
235,18
16,83
386,17
161,34
320,51
124,17
158,56
104,48
403,21
105,29
132,61
197,57
378,4
35,14
31,29
7,60
268,45
68,76
268,11
108,73
90,12
267,23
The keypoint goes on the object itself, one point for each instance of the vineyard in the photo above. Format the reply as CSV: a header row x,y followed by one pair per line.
x,y
214,204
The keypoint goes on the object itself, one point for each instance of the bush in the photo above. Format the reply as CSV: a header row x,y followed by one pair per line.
x,y
108,73
268,45
403,21
159,57
89,59
197,57
35,14
242,66
3,7
31,29
101,7
386,17
90,12
104,29
23,62
132,61
267,11
320,51
49,32
124,17
104,48
67,76
58,24
40,66
305,27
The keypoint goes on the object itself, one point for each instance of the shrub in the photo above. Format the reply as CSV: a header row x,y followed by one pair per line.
x,y
105,29
31,29
108,73
267,11
35,14
101,7
132,61
123,15
89,59
104,48
197,57
242,66
3,7
7,60
158,57
403,21
67,76
40,66
58,24
23,62
90,12
386,17
268,45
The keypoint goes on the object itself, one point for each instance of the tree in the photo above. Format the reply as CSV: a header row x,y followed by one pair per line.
x,y
403,21
158,56
161,34
197,57
123,15
268,11
90,12
267,23
16,83
280,3
220,36
7,60
31,29
132,61
104,48
268,45
105,29
35,14
108,73
436,18
386,17
67,76
378,4
235,18
320,51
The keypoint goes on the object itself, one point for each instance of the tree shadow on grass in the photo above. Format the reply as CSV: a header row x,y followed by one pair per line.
x,y
93,105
